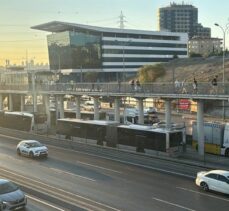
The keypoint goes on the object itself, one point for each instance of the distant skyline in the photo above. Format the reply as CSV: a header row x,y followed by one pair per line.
x,y
18,42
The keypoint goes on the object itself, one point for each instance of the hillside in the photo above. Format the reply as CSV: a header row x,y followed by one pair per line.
x,y
204,69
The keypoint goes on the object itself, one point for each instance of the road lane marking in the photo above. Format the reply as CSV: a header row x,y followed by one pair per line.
x,y
66,192
127,162
11,137
205,194
100,167
117,160
173,204
69,173
45,203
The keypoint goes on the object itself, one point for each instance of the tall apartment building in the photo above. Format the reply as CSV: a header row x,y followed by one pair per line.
x,y
182,18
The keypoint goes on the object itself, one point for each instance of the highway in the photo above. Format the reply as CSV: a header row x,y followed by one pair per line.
x,y
79,180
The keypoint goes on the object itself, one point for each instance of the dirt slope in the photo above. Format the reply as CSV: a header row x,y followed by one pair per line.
x,y
204,69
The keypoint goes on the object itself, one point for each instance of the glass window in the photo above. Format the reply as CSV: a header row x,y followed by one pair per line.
x,y
212,176
7,187
73,50
144,44
223,179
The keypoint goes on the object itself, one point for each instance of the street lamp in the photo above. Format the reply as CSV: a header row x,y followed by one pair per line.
x,y
124,44
224,30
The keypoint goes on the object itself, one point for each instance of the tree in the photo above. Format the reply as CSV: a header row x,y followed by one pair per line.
x,y
149,73
175,56
192,54
91,76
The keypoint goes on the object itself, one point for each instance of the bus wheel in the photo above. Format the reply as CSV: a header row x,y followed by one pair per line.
x,y
197,147
227,153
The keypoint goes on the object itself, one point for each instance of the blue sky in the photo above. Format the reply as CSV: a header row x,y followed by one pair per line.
x,y
17,16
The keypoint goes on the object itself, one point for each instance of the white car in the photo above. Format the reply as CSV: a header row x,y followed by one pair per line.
x,y
32,149
89,105
216,180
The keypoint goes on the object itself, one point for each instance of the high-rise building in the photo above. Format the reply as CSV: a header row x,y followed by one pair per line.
x,y
182,18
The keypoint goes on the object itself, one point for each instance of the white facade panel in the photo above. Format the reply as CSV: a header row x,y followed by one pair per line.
x,y
128,63
142,48
182,40
120,70
136,56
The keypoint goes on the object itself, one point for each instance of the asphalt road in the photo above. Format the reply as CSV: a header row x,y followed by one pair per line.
x,y
92,182
36,204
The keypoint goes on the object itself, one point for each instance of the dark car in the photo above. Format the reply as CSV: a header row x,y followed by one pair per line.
x,y
11,196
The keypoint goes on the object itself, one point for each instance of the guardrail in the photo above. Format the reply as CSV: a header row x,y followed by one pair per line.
x,y
203,88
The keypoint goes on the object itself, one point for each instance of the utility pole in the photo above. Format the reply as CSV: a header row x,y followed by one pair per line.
x,y
224,30
121,21
27,62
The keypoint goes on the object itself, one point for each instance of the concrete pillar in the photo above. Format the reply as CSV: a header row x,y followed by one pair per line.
x,y
200,126
117,109
57,107
78,114
96,108
1,102
10,103
34,102
22,102
140,111
47,110
34,93
168,113
61,99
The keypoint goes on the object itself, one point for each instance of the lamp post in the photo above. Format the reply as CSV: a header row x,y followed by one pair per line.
x,y
123,59
123,64
224,30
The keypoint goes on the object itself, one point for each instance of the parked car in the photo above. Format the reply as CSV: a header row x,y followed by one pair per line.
x,y
11,197
88,105
216,180
162,124
32,148
150,110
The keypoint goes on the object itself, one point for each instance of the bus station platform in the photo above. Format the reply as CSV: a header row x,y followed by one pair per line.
x,y
191,157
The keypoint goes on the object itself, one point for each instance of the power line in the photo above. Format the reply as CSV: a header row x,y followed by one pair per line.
x,y
102,20
17,25
22,40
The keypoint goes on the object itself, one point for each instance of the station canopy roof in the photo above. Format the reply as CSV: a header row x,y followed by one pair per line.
x,y
57,26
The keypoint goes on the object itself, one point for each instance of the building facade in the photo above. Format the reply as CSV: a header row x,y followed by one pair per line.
x,y
110,53
182,18
204,46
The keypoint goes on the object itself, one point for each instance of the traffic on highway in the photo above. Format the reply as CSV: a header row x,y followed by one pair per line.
x,y
87,178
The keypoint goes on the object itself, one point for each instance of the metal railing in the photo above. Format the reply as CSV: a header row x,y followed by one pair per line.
x,y
122,88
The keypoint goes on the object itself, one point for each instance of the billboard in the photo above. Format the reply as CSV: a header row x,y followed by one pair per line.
x,y
184,104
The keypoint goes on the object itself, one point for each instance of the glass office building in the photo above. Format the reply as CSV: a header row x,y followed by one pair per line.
x,y
112,53
72,50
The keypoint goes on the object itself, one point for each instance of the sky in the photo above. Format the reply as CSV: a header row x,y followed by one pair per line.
x,y
19,43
